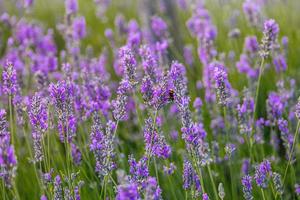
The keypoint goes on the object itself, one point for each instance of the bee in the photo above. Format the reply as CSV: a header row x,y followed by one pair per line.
x,y
171,95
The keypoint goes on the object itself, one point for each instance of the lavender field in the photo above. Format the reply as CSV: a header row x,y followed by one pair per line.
x,y
149,99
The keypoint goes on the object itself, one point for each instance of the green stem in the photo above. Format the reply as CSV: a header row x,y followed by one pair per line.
x,y
15,190
261,68
212,182
263,194
154,126
11,120
3,192
156,171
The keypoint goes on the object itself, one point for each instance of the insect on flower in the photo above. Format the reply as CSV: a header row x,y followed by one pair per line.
x,y
171,95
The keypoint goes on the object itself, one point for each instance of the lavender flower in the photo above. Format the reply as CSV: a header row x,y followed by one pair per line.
x,y
245,112
221,83
71,6
280,63
43,197
102,146
247,187
155,141
79,31
149,62
38,117
3,124
147,89
297,189
8,161
246,166
168,170
251,45
190,178
271,30
261,173
62,99
58,189
188,54
139,170
128,63
178,76
252,11
152,190
77,193
275,106
9,79
119,104
28,3
128,192
297,109
76,154
277,183
205,196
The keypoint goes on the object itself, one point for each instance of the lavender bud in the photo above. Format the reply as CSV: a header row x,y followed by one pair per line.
x,y
152,190
247,187
9,79
79,30
277,183
71,6
221,83
297,189
261,173
297,109
271,30
221,191
128,192
128,62
58,189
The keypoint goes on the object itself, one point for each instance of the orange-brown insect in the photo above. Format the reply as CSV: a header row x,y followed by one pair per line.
x,y
171,95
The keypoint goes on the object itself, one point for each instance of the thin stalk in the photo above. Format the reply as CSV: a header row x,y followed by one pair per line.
x,y
233,186
11,120
112,180
226,124
156,171
212,182
154,126
263,194
3,190
261,68
15,190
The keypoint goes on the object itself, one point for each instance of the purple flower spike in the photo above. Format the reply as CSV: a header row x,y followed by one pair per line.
x,y
155,141
128,192
39,121
9,78
58,188
79,30
221,83
247,187
261,173
152,190
128,63
297,110
271,30
8,160
297,189
71,6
